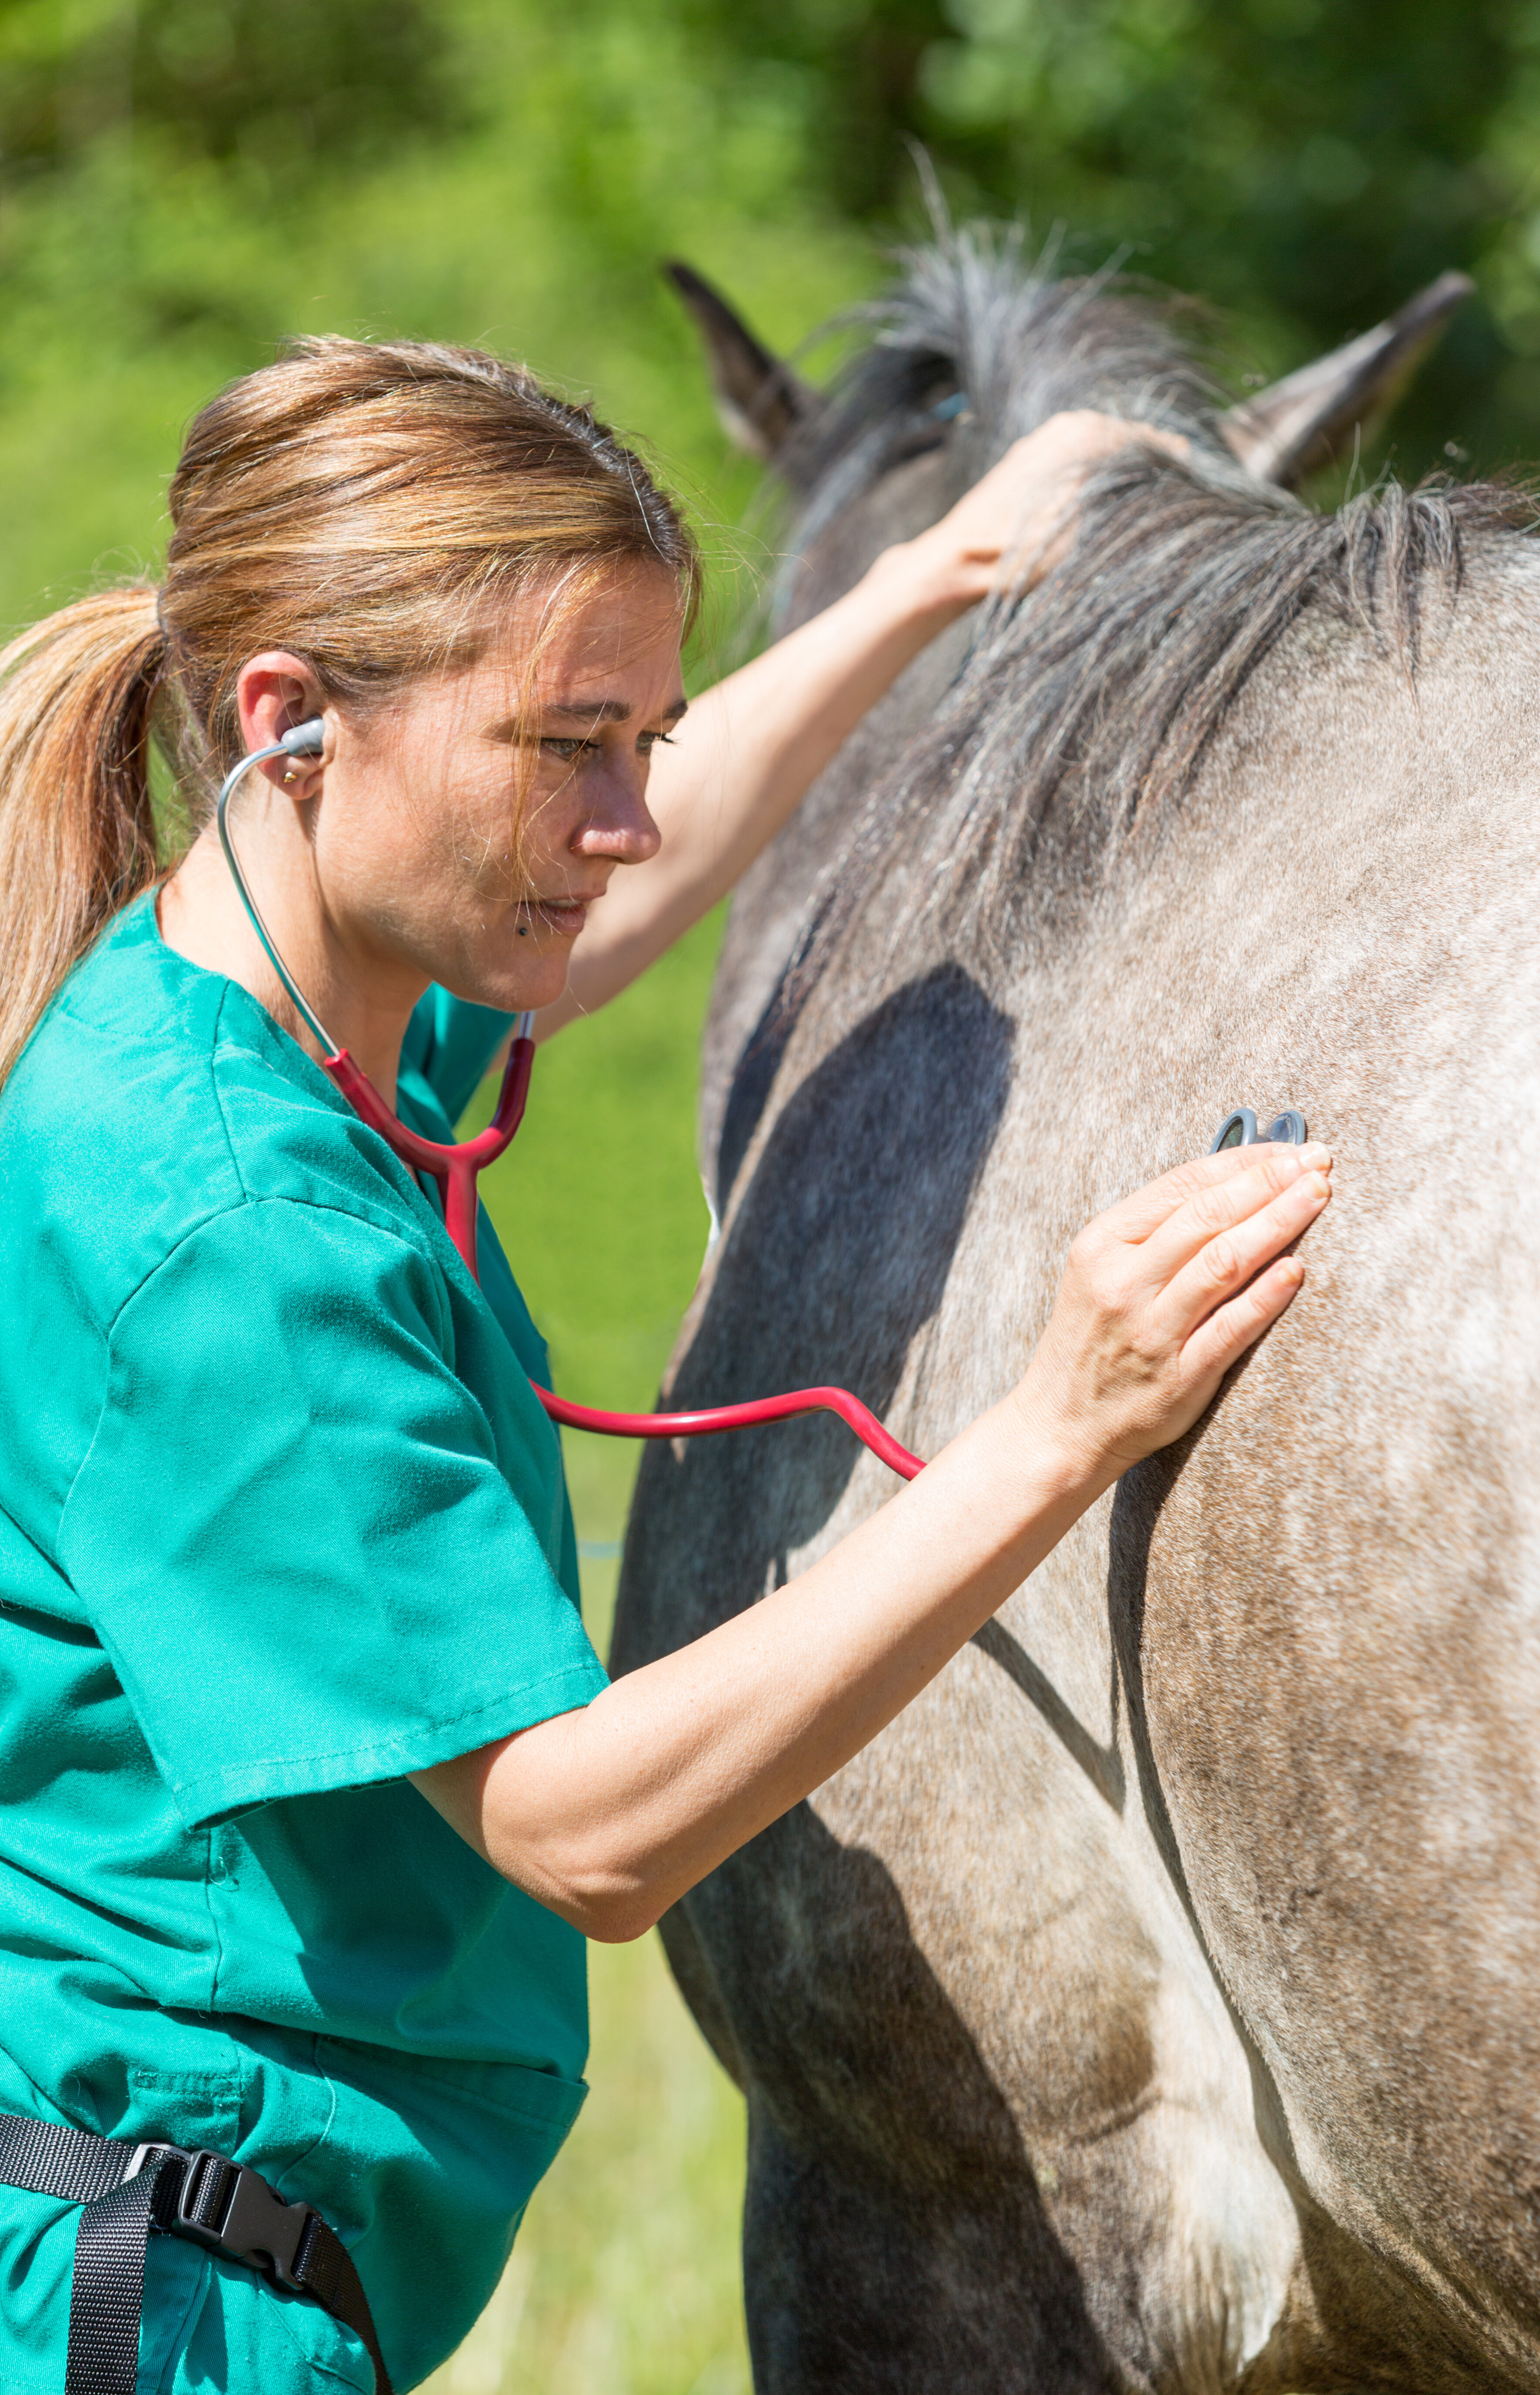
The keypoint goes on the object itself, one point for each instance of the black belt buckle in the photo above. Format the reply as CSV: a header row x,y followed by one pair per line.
x,y
228,2208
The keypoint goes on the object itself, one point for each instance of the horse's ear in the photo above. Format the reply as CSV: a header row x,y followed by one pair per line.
x,y
758,398
1286,433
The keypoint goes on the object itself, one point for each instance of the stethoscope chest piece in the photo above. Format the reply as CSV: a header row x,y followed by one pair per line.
x,y
1238,1129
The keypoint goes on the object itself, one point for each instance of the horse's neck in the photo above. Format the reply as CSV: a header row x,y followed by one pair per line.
x,y
771,905
1338,797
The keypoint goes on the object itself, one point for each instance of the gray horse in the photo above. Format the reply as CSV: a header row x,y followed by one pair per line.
x,y
1153,2004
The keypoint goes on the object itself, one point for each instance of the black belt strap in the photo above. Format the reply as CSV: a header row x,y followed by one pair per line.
x,y
130,2192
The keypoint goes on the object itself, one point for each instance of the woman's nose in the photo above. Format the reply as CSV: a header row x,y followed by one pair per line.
x,y
618,824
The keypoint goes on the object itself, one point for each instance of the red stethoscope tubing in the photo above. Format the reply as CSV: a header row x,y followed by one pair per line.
x,y
706,1420
455,1169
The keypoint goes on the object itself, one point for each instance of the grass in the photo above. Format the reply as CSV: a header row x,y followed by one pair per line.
x,y
598,1202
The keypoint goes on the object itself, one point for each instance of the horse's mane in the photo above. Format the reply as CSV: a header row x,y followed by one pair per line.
x,y
1083,709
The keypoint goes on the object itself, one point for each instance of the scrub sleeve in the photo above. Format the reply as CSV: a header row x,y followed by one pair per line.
x,y
280,1522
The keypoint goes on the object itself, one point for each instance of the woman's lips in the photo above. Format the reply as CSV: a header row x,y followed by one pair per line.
x,y
566,916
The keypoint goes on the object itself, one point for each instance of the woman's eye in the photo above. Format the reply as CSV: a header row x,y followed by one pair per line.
x,y
569,750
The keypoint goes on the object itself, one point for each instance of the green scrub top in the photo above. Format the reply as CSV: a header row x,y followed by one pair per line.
x,y
280,1522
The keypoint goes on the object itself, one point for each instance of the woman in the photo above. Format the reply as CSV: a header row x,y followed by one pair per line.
x,y
313,1784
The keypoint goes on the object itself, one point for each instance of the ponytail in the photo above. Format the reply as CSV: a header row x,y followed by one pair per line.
x,y
77,834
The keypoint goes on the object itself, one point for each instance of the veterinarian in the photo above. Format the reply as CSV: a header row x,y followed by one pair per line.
x,y
313,1784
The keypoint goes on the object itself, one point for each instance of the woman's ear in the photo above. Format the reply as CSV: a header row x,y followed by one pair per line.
x,y
274,692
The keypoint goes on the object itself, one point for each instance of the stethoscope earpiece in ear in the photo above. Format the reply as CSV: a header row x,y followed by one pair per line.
x,y
305,740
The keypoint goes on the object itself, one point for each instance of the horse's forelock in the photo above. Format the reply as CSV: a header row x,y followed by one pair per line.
x,y
971,320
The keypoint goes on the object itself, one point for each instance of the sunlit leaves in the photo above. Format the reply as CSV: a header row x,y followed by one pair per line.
x,y
1304,166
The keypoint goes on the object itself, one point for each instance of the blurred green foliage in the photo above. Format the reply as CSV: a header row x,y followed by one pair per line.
x,y
200,176
183,182
1305,164
470,169
295,88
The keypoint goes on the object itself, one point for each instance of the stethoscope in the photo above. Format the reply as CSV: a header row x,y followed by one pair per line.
x,y
455,1169
1238,1129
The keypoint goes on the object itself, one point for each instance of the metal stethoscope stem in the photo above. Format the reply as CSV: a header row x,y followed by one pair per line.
x,y
455,1169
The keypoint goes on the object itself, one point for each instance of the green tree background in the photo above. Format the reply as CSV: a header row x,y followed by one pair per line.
x,y
183,182
1302,165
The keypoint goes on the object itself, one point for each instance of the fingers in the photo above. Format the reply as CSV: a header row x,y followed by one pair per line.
x,y
1154,436
1225,1263
1096,436
1218,1205
1042,470
1219,1342
1136,1217
1017,520
1145,1326
1080,437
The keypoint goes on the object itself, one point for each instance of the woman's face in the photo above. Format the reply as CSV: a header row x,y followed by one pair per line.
x,y
461,832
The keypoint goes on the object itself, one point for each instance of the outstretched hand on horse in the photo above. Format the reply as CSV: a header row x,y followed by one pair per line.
x,y
1018,521
610,1814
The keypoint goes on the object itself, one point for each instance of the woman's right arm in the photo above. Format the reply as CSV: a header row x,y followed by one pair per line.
x,y
609,1814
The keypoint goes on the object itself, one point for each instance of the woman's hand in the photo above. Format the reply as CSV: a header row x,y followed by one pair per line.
x,y
1162,1294
1016,524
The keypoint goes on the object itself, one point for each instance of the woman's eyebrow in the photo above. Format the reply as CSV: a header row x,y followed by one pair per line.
x,y
585,711
604,710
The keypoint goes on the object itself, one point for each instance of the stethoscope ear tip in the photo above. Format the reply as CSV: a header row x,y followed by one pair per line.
x,y
306,740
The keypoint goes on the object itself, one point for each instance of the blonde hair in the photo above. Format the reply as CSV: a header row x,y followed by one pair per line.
x,y
358,503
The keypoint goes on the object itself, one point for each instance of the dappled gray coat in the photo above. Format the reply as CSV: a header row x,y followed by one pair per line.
x,y
1153,2004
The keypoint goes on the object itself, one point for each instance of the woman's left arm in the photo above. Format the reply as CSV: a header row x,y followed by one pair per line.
x,y
748,750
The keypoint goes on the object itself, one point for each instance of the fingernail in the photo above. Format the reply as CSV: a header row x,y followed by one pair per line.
x,y
1315,1186
1316,1160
